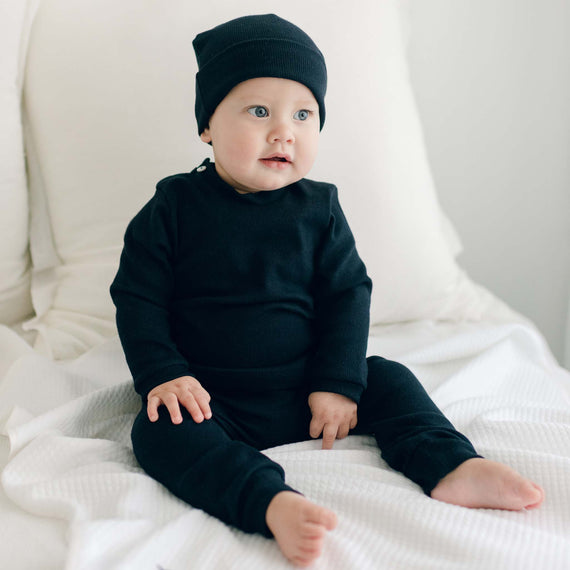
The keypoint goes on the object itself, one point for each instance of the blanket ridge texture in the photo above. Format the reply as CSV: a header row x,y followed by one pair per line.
x,y
70,462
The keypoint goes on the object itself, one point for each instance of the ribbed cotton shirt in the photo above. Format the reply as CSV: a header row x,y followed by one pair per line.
x,y
263,290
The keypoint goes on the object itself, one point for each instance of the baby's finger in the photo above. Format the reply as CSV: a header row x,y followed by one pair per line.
x,y
329,435
171,403
343,430
353,421
316,428
203,400
190,403
152,408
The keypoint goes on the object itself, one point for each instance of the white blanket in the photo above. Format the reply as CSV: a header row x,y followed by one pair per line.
x,y
75,497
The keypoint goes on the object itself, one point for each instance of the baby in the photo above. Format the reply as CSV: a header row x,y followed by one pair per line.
x,y
243,311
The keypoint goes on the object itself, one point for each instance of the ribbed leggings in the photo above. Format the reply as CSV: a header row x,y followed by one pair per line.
x,y
217,466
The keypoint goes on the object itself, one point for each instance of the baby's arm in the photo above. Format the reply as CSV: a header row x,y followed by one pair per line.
x,y
341,292
144,294
333,416
184,390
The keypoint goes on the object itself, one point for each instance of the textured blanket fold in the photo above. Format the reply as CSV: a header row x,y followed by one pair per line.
x,y
70,460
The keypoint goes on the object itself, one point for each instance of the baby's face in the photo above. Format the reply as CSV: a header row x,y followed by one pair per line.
x,y
264,134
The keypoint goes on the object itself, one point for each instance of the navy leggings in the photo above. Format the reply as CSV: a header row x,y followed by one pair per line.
x,y
217,466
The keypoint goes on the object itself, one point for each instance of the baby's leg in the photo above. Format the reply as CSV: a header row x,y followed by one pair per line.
x,y
204,466
418,440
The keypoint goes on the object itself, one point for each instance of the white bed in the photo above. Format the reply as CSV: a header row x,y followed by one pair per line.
x,y
108,111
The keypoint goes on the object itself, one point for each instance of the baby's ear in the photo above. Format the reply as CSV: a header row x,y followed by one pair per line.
x,y
205,136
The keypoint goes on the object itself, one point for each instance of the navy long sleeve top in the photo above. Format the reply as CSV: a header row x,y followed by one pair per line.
x,y
263,287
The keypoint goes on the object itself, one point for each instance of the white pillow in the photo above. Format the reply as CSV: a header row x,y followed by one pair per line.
x,y
15,302
110,96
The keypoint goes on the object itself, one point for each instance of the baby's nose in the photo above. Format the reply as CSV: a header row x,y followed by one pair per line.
x,y
281,132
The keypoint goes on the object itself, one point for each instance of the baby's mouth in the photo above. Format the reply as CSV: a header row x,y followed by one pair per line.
x,y
283,158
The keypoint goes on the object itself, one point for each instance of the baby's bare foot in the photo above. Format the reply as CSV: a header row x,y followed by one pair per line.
x,y
299,526
481,483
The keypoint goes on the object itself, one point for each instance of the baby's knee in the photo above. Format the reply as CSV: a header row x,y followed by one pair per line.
x,y
388,371
147,438
156,443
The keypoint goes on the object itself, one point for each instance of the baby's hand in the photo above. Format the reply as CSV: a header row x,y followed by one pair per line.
x,y
333,416
184,390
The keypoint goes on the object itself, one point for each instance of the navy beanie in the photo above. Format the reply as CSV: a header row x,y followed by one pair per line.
x,y
254,46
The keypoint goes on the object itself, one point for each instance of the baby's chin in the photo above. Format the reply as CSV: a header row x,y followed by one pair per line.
x,y
254,177
265,187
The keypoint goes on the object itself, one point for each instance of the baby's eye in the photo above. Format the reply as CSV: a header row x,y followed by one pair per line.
x,y
302,115
258,111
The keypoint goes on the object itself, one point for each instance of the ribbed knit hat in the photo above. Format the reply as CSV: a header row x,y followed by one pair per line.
x,y
254,46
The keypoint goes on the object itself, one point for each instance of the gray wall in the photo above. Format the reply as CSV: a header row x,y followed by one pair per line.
x,y
492,82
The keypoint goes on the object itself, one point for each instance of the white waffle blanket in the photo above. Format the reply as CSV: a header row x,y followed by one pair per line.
x,y
75,497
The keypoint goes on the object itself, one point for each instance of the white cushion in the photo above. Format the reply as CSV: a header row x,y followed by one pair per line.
x,y
110,96
15,302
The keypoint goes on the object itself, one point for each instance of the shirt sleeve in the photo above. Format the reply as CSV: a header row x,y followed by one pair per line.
x,y
142,292
342,301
